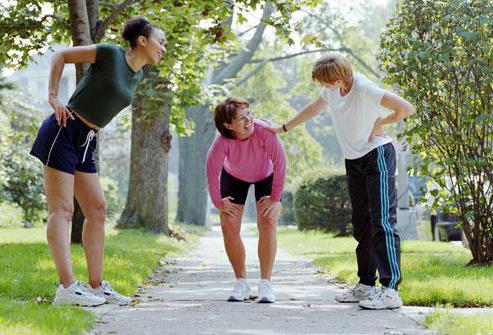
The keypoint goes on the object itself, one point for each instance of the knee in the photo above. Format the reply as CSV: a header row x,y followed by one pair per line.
x,y
267,225
230,228
97,213
63,212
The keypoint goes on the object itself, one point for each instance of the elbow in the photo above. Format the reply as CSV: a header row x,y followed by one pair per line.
x,y
58,57
408,110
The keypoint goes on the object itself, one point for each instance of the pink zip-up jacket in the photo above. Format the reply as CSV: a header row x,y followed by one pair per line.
x,y
250,160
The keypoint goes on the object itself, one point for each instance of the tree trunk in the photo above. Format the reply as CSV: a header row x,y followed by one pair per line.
x,y
80,29
147,198
81,35
192,191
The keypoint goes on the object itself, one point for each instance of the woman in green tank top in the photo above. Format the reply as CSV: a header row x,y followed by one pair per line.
x,y
65,145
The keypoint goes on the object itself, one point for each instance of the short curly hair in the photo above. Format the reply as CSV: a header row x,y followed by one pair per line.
x,y
225,112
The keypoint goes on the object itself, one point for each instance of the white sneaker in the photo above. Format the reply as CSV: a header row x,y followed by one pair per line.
x,y
111,296
386,298
76,294
265,292
356,293
241,291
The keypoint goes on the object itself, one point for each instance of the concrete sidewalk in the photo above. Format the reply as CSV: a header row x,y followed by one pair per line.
x,y
188,296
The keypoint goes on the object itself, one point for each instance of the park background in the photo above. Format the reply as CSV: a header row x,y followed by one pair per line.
x,y
436,54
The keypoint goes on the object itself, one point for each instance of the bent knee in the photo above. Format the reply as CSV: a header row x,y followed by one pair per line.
x,y
267,225
63,212
230,227
97,212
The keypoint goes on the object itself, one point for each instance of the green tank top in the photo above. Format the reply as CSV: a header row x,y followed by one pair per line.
x,y
107,87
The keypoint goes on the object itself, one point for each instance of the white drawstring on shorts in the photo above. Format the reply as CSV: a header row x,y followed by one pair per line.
x,y
90,136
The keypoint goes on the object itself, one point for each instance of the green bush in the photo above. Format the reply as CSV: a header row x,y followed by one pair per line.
x,y
322,202
439,55
21,174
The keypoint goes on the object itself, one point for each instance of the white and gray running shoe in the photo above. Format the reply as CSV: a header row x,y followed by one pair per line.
x,y
76,294
111,296
241,291
386,298
265,294
356,293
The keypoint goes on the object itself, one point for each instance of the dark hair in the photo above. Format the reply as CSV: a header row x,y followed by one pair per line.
x,y
225,113
135,27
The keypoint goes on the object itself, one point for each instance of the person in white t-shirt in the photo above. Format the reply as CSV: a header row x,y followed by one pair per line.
x,y
354,103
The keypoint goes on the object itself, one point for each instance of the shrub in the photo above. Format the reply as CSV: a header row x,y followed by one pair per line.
x,y
21,177
322,202
439,54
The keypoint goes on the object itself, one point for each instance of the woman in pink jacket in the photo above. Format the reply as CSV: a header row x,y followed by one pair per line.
x,y
245,153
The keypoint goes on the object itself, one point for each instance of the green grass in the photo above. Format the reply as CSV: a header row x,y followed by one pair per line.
x,y
449,323
27,273
434,273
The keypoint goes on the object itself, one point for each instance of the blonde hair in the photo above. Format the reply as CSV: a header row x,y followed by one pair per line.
x,y
331,68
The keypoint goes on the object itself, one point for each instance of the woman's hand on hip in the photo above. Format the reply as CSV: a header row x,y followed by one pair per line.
x,y
61,112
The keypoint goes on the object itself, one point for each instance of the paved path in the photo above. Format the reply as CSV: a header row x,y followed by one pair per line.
x,y
187,296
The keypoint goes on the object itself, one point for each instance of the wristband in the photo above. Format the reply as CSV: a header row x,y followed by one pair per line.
x,y
284,128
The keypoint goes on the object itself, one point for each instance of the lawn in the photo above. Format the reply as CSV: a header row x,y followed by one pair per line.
x,y
434,274
450,323
27,274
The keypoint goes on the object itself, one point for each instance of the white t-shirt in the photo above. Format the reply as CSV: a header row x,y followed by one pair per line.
x,y
354,115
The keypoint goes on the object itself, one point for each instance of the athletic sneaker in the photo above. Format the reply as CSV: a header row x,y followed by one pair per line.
x,y
241,291
386,298
265,292
356,293
111,296
76,294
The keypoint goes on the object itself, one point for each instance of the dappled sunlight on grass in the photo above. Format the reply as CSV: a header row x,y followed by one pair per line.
x,y
434,273
29,318
450,323
27,272
22,235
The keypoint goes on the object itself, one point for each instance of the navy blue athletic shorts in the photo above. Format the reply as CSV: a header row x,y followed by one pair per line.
x,y
66,149
238,189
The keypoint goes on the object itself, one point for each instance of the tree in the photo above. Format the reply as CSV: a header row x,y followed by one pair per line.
x,y
192,191
25,21
147,205
440,55
266,92
20,176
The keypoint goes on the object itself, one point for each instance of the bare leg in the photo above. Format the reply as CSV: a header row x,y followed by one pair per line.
x,y
267,243
90,197
59,190
231,228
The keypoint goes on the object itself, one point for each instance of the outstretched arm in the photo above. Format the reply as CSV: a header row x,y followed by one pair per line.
x,y
308,112
83,54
